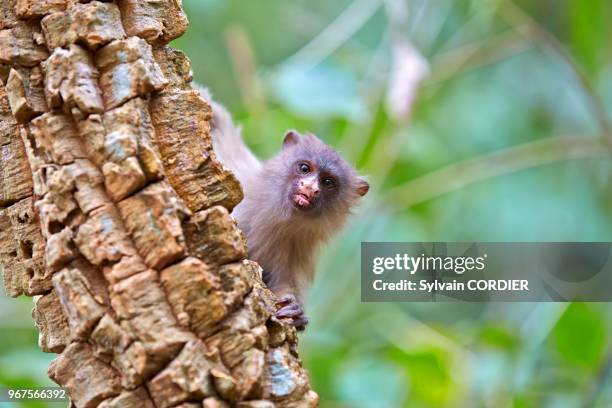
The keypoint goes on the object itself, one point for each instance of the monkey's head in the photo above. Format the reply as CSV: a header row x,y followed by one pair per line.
x,y
314,179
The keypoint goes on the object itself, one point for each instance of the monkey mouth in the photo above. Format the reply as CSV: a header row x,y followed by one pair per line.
x,y
302,201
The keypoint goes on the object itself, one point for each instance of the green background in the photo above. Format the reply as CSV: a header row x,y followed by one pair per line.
x,y
501,143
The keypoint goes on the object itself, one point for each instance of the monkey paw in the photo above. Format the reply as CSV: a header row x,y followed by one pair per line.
x,y
290,309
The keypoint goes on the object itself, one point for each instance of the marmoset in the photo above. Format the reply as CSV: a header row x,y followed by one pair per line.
x,y
292,204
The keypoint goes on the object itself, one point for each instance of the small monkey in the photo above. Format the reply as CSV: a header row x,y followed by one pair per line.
x,y
292,204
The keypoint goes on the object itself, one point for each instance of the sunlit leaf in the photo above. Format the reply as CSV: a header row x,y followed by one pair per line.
x,y
429,374
499,336
580,335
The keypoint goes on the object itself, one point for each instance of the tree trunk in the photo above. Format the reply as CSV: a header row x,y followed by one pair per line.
x,y
114,215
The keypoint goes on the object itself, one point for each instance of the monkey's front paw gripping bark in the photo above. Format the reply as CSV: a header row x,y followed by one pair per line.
x,y
290,309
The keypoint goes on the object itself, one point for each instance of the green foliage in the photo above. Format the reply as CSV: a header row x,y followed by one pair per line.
x,y
502,75
580,336
429,373
498,337
589,28
22,363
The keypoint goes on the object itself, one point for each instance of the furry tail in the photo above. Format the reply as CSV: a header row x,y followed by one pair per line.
x,y
228,144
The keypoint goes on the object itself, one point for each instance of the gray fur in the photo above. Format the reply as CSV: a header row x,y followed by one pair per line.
x,y
283,240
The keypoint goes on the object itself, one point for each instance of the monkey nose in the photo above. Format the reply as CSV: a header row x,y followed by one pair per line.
x,y
310,190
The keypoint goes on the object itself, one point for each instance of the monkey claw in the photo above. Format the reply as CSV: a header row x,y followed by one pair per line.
x,y
291,309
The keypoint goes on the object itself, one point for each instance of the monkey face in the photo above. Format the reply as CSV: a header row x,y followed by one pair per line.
x,y
316,180
312,187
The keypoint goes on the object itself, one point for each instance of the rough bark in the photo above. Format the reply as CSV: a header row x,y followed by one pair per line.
x,y
114,214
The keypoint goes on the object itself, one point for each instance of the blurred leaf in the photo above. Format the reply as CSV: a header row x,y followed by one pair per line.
x,y
522,401
323,353
264,132
589,27
22,363
377,133
580,335
371,383
491,374
324,91
499,336
206,6
428,370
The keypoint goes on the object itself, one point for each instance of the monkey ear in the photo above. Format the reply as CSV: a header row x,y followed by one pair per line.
x,y
362,186
291,138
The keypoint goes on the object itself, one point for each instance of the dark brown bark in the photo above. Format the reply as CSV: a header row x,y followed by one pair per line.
x,y
114,213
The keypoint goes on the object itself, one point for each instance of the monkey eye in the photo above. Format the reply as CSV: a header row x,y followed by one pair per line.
x,y
304,168
329,182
